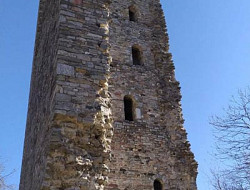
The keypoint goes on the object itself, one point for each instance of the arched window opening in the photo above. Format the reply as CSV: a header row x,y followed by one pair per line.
x,y
157,185
132,14
137,56
129,108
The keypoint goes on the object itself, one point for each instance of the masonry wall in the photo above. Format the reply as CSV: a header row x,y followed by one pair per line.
x,y
76,135
68,126
81,129
41,100
153,146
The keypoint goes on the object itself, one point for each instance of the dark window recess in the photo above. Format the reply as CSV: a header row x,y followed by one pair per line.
x,y
136,54
157,185
128,108
132,16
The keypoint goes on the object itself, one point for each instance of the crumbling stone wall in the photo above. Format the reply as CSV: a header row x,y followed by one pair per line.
x,y
153,146
76,135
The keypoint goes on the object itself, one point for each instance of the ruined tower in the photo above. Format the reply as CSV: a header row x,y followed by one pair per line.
x,y
104,108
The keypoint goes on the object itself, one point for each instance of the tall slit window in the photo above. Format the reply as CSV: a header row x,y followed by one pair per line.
x,y
128,108
157,185
137,56
132,14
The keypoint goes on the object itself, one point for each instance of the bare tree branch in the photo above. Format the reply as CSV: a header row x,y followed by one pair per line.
x,y
220,181
232,133
3,185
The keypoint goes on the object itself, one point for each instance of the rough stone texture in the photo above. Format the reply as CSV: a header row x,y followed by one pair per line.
x,y
77,137
41,101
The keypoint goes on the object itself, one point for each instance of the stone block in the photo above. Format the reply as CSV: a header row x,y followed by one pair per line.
x,y
63,69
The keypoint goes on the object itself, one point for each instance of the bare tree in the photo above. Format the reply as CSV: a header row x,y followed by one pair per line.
x,y
232,133
220,181
3,185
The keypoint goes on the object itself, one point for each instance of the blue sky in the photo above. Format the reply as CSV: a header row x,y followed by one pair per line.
x,y
210,42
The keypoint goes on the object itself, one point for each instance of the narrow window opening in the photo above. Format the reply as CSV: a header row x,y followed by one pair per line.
x,y
128,108
132,14
157,185
137,57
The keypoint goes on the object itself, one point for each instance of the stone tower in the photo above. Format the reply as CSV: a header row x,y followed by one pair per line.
x,y
104,108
